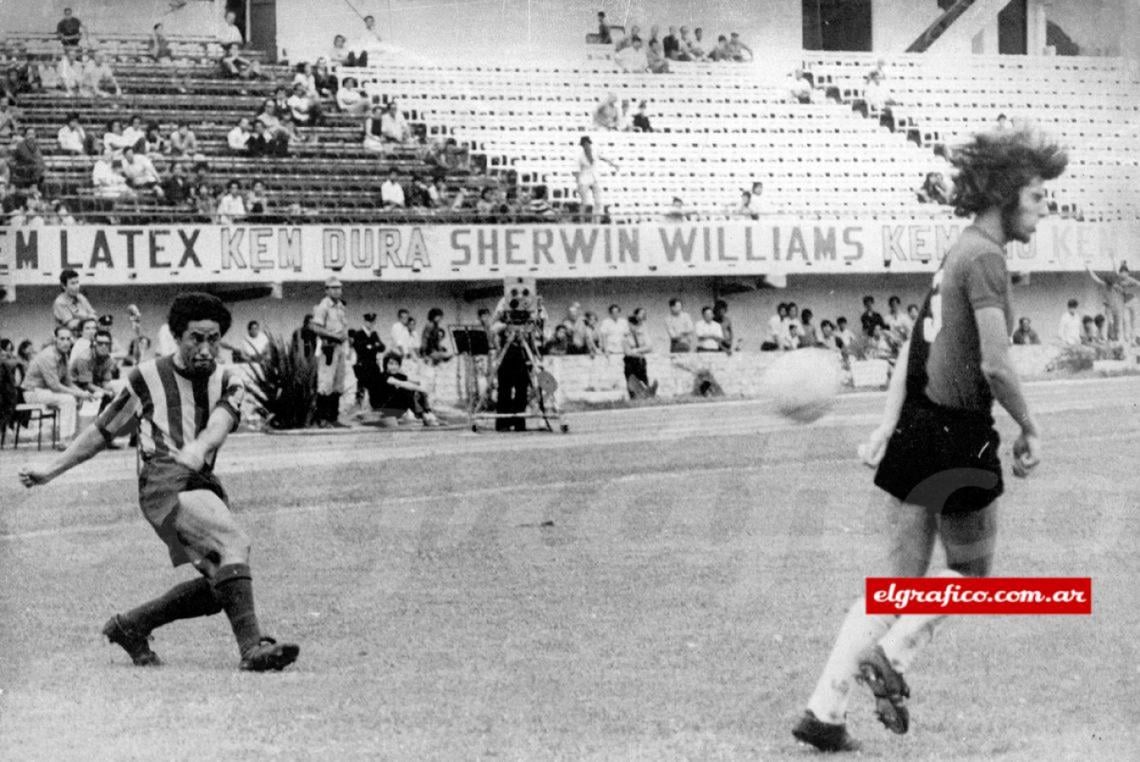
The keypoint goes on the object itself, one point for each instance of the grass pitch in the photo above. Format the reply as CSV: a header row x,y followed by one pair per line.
x,y
659,584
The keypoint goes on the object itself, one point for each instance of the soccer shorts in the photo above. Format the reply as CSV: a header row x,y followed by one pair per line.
x,y
942,459
159,485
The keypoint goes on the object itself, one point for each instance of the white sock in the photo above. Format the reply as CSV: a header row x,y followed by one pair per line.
x,y
859,630
910,634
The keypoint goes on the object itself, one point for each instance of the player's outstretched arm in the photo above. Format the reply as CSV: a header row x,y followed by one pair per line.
x,y
84,447
1006,387
193,454
1096,278
873,449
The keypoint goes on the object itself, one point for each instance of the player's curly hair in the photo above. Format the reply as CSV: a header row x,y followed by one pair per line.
x,y
195,305
995,166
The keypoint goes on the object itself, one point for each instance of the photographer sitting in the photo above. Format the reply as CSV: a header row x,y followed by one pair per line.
x,y
398,396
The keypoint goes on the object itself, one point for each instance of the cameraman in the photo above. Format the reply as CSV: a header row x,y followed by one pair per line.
x,y
330,326
514,323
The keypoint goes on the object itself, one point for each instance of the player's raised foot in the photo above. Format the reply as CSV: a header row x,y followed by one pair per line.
x,y
270,655
135,644
824,736
889,687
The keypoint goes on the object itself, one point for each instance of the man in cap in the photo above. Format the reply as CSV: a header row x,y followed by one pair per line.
x,y
367,346
332,330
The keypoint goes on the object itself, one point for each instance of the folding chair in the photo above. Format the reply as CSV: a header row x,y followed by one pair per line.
x,y
25,414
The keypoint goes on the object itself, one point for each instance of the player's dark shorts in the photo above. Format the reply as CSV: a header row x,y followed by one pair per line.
x,y
159,484
942,458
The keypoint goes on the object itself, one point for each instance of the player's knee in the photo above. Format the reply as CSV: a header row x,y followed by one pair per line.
x,y
972,567
234,546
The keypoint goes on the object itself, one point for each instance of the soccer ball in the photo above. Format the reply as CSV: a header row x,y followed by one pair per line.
x,y
803,383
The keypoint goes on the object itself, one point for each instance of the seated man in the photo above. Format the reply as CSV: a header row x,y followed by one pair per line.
x,y
108,181
722,51
99,78
1025,333
69,71
93,369
633,58
48,382
139,171
238,138
393,126
396,396
69,31
233,66
230,34
391,192
606,115
739,51
303,107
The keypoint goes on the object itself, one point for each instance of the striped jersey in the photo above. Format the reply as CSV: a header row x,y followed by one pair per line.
x,y
172,407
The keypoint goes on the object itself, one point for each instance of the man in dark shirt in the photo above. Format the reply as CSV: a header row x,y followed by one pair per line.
x,y
720,315
1024,333
870,318
671,46
367,346
398,395
69,30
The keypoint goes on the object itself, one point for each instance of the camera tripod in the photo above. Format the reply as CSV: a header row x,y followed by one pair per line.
x,y
518,345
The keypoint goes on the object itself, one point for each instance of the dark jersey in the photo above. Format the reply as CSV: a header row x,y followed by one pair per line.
x,y
945,360
367,346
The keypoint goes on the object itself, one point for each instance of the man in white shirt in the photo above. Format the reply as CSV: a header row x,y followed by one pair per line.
x,y
709,333
776,329
302,107
256,342
1069,328
611,330
679,326
633,58
230,32
231,206
843,333
391,192
238,137
393,126
138,170
368,39
99,79
134,134
108,182
72,137
402,340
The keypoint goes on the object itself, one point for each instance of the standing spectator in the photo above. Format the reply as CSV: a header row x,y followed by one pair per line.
x,y
304,339
48,382
238,138
1024,333
593,334
808,335
636,345
576,330
709,334
329,324
366,349
231,206
611,330
738,50
1116,287
70,30
720,315
27,161
391,192
560,343
158,46
587,180
680,327
776,334
433,342
231,34
99,79
898,322
74,139
870,319
71,304
1069,327
846,338
256,342
402,341
604,29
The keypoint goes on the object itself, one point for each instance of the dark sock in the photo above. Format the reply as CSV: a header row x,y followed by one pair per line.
x,y
322,410
233,587
190,599
334,408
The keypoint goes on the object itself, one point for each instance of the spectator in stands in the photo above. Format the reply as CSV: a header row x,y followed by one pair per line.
x,y
368,38
738,50
633,59
205,204
1025,333
697,49
257,201
438,193
58,214
69,71
800,89
233,66
74,139
685,43
238,138
176,188
807,335
587,179
373,130
271,135
154,144
231,206
1002,122
338,54
876,94
722,51
869,319
304,108
433,341
99,78
934,190
606,115
679,326
709,333
134,135
677,211
641,119
418,194
744,209
671,46
485,206
611,330
27,160
391,192
351,98
159,47
324,80
230,33
9,126
539,206
70,30
603,29
1069,327
655,59
139,171
108,181
720,315
183,142
398,396
393,126
115,139
303,75
846,338
48,382
593,337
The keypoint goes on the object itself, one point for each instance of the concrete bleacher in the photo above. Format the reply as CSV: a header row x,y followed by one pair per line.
x,y
1092,105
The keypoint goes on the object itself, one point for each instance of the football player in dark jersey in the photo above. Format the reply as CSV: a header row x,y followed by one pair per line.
x,y
936,450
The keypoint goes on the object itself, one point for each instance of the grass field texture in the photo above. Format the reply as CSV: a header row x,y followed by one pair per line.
x,y
659,584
